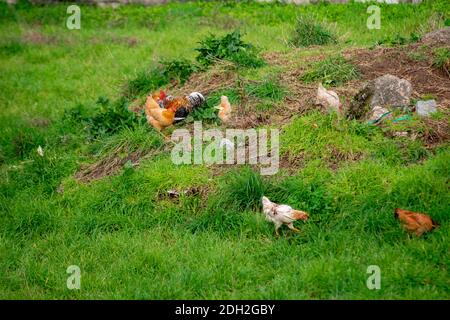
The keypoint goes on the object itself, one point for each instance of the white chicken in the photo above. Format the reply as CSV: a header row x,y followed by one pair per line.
x,y
328,99
281,214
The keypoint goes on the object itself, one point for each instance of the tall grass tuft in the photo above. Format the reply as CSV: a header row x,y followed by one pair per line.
x,y
333,71
267,89
243,189
441,59
309,32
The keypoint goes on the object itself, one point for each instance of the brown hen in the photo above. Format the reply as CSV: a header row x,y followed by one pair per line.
x,y
415,222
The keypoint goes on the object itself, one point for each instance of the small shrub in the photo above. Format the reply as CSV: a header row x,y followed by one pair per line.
x,y
178,69
111,117
309,32
229,47
332,71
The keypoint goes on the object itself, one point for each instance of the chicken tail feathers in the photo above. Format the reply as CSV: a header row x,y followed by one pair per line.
x,y
266,202
299,215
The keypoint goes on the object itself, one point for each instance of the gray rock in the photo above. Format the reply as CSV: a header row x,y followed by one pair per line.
x,y
437,37
386,91
425,108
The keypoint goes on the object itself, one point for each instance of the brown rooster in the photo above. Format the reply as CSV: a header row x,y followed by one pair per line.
x,y
414,222
159,117
162,110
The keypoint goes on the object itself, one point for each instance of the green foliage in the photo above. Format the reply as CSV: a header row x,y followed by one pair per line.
x,y
12,48
144,82
267,89
398,39
309,32
160,75
79,114
243,189
25,141
417,56
333,71
229,47
111,118
178,69
441,59
221,220
311,196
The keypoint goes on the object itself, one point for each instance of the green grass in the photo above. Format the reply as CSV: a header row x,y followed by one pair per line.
x,y
159,75
229,47
333,71
268,89
131,240
442,59
309,32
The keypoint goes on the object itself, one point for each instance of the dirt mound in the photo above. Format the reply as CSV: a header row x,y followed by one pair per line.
x,y
412,63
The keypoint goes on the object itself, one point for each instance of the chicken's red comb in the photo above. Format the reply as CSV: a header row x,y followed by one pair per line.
x,y
162,95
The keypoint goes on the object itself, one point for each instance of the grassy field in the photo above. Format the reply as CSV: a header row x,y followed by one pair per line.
x,y
130,241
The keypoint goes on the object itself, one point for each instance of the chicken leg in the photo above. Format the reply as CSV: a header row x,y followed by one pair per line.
x,y
291,226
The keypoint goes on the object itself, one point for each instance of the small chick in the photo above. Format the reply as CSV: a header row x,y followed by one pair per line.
x,y
224,109
281,214
414,222
328,99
